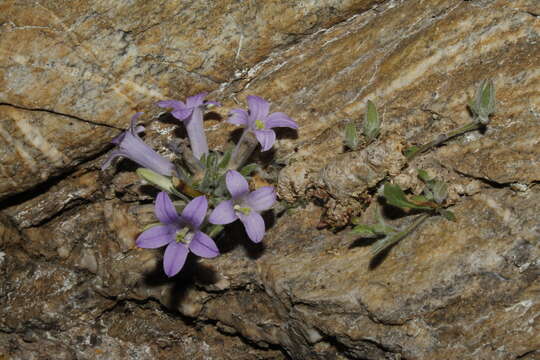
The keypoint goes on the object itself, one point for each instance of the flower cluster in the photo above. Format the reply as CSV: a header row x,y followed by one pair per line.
x,y
207,178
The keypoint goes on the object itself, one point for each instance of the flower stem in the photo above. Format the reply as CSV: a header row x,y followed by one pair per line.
x,y
385,243
243,150
444,137
215,230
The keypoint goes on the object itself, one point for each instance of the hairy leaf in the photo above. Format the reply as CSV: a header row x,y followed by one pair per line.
x,y
396,197
372,123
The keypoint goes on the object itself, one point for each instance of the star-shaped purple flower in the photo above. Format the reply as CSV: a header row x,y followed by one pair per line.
x,y
191,113
181,233
131,146
244,205
260,122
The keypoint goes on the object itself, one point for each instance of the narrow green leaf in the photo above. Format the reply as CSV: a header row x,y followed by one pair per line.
x,y
248,169
447,214
372,123
158,180
383,229
424,176
351,136
428,194
419,198
388,241
484,103
396,197
203,160
212,161
487,97
225,159
383,244
363,230
440,191
411,151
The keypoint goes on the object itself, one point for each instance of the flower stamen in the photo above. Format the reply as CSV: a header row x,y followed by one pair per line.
x,y
181,236
244,210
259,125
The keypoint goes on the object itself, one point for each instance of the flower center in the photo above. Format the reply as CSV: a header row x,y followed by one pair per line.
x,y
182,236
243,210
259,125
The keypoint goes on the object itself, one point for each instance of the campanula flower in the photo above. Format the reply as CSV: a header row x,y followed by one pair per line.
x,y
260,122
191,113
131,146
244,205
181,234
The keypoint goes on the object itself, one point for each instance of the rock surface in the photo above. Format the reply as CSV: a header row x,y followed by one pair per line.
x,y
74,286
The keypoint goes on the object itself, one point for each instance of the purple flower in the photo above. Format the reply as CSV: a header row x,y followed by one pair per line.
x,y
191,113
181,233
244,205
131,146
260,122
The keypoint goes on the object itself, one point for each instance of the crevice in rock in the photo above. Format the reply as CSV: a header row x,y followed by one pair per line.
x,y
72,205
244,339
45,186
368,345
524,355
489,182
189,321
73,117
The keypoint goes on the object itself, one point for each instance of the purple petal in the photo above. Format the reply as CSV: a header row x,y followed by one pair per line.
x,y
171,104
165,211
196,100
279,119
134,118
182,114
195,131
113,155
236,184
137,150
174,258
156,236
195,211
254,225
202,245
118,139
261,199
258,107
138,129
266,138
223,213
238,117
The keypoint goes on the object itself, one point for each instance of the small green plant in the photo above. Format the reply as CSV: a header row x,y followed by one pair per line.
x,y
371,130
430,203
482,107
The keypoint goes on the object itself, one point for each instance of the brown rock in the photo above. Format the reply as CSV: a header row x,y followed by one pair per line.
x,y
72,282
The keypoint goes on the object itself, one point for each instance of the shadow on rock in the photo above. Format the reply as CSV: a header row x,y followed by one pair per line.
x,y
191,274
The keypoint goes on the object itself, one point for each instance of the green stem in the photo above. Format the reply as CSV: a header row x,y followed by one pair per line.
x,y
385,243
444,137
215,230
243,150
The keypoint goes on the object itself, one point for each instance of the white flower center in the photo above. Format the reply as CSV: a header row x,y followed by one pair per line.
x,y
183,236
243,210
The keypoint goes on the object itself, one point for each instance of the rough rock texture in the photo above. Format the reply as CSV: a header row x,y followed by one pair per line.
x,y
74,286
